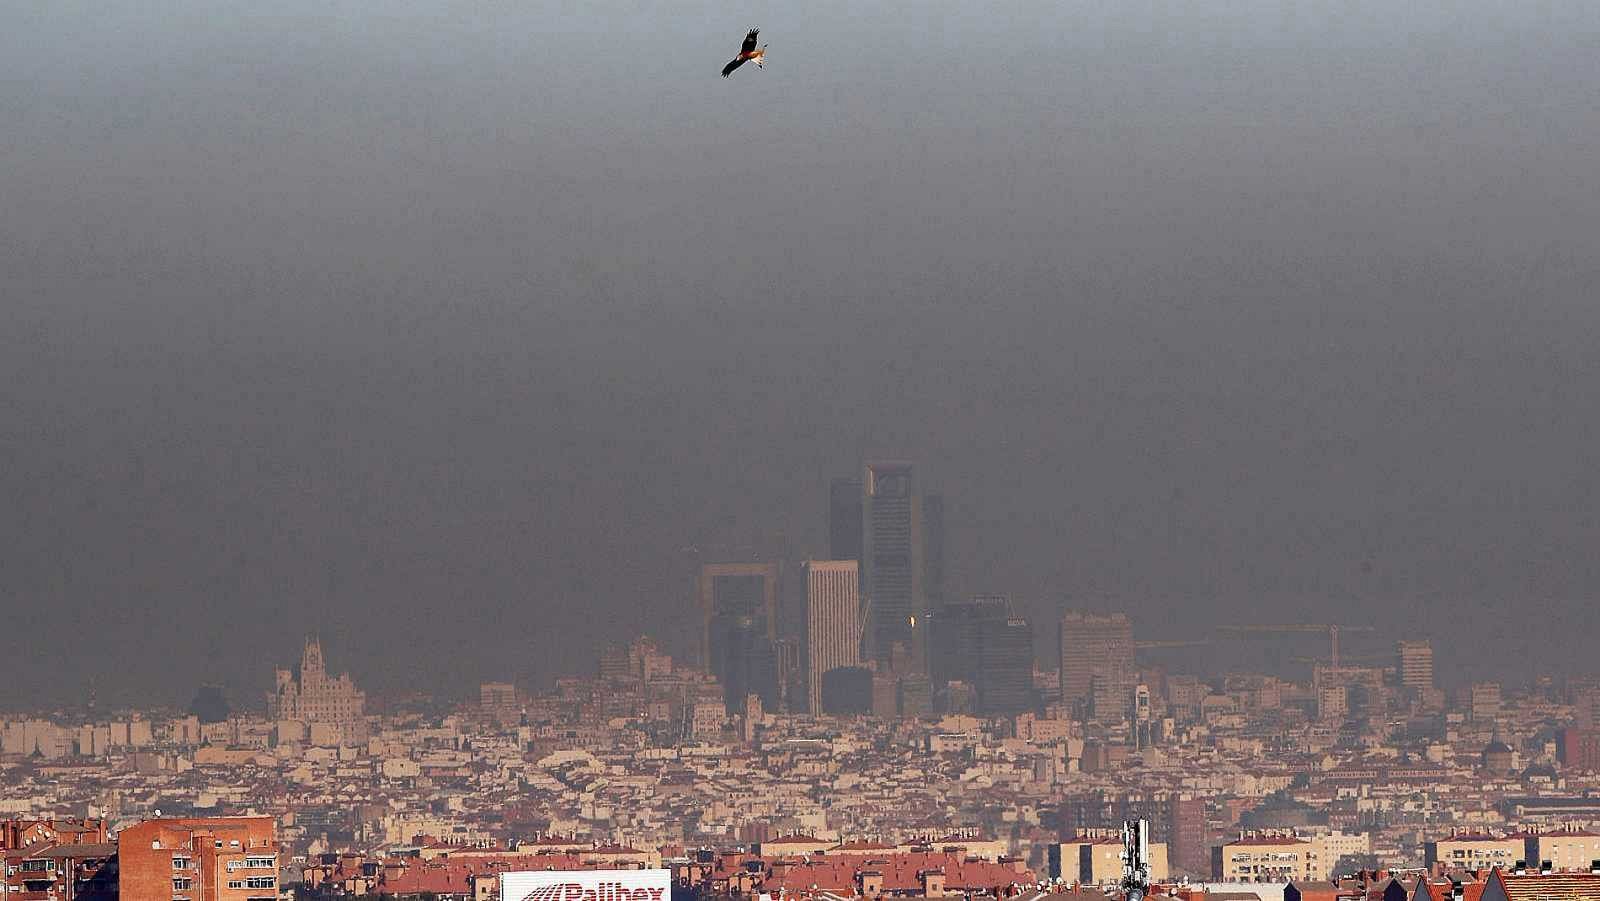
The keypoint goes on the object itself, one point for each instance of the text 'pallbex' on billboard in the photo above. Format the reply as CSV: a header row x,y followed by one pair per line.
x,y
587,885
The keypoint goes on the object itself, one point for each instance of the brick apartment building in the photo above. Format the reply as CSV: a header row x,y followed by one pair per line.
x,y
66,860
204,859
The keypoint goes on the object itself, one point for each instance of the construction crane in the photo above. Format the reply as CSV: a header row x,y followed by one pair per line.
x,y
1346,659
1252,630
1163,645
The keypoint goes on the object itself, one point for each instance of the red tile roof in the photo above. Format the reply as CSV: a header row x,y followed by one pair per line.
x,y
901,873
1549,887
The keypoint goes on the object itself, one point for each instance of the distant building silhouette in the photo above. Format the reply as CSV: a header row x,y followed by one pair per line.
x,y
1097,664
847,691
932,552
892,560
1483,702
747,663
313,697
979,643
498,699
954,635
1414,661
844,519
729,594
833,622
1005,667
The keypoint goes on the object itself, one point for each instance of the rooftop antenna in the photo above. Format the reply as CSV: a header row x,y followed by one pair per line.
x,y
1135,859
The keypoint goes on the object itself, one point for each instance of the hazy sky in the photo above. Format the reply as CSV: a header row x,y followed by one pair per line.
x,y
440,327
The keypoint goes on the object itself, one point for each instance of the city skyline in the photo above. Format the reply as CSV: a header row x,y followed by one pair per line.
x,y
348,329
1050,451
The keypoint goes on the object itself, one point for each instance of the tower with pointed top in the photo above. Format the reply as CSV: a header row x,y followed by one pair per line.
x,y
310,696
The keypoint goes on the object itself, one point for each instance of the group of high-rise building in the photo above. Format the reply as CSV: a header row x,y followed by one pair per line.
x,y
877,632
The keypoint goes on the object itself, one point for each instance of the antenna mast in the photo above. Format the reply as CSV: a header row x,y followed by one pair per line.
x,y
1135,859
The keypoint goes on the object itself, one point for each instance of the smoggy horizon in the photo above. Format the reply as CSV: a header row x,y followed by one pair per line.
x,y
442,330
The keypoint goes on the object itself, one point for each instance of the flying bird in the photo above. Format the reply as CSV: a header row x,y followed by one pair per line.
x,y
746,53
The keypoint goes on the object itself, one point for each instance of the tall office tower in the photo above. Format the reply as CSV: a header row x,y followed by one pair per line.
x,y
1005,667
1483,701
844,519
1415,664
833,622
892,560
748,660
932,552
978,643
1096,662
729,592
954,632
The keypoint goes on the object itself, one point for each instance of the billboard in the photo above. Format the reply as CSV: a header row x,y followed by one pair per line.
x,y
587,885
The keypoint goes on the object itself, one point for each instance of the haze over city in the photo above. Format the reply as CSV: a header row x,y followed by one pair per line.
x,y
460,333
1106,450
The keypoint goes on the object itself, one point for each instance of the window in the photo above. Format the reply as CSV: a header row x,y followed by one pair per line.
x,y
260,882
180,863
237,883
182,883
260,862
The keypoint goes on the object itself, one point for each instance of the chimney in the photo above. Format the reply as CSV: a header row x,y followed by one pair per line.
x,y
1456,892
1594,867
1545,868
1520,868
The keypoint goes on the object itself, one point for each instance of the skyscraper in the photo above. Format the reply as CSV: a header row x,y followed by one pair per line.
x,y
728,593
833,622
1415,663
978,643
747,659
844,519
1005,667
892,560
954,632
933,552
1096,662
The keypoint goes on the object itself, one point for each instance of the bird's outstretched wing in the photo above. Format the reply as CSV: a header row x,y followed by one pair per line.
x,y
750,41
737,62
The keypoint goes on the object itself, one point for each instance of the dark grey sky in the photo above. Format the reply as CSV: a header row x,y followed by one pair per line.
x,y
439,327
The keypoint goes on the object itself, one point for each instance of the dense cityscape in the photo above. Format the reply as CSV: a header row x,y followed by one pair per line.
x,y
844,729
